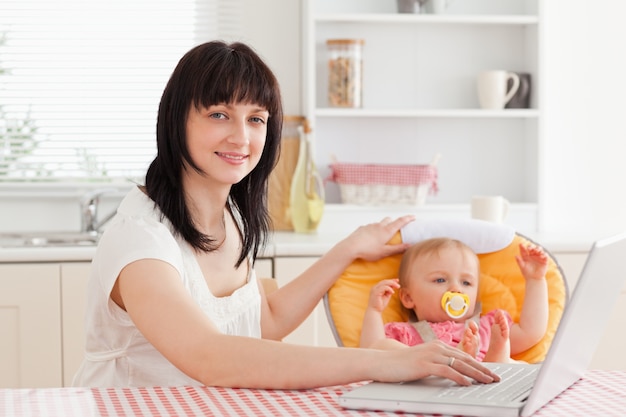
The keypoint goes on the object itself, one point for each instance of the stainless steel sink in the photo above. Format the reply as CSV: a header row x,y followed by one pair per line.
x,y
46,239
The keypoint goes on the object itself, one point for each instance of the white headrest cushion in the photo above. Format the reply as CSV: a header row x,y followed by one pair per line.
x,y
480,235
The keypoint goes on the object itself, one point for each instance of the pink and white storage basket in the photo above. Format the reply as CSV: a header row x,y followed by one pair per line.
x,y
378,184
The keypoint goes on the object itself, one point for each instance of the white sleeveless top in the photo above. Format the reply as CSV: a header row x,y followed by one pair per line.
x,y
116,352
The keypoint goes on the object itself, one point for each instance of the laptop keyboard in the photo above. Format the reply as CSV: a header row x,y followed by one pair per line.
x,y
514,382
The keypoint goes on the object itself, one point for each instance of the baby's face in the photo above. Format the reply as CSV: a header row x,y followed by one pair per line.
x,y
432,275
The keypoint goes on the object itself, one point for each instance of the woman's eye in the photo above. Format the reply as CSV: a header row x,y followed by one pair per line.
x,y
258,120
217,116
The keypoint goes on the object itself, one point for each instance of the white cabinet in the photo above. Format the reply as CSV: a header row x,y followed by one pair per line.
x,y
264,268
314,331
30,326
419,94
41,316
74,278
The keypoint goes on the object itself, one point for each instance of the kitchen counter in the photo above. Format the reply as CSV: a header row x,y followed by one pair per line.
x,y
338,221
281,244
47,254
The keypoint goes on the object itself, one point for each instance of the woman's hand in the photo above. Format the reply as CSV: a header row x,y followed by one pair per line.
x,y
371,241
433,359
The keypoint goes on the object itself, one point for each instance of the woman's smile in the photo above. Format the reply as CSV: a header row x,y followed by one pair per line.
x,y
232,157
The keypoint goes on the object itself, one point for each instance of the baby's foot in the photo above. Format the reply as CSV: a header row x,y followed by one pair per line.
x,y
499,343
470,342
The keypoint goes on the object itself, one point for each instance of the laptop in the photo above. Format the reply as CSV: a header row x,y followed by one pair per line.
x,y
526,387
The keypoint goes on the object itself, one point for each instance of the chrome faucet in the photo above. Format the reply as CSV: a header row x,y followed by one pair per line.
x,y
89,211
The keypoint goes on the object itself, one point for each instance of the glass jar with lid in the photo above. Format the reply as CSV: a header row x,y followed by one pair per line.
x,y
345,72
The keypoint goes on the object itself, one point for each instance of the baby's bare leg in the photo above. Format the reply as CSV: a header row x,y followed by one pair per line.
x,y
470,342
499,343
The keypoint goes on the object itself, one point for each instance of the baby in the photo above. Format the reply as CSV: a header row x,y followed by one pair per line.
x,y
438,282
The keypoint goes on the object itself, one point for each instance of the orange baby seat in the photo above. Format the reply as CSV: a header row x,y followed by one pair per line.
x,y
501,282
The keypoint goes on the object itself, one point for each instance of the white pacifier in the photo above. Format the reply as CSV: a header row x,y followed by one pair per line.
x,y
455,304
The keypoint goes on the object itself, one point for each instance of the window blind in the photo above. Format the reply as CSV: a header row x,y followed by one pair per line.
x,y
80,81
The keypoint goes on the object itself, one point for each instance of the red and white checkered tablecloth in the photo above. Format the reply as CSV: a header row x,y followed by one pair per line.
x,y
599,393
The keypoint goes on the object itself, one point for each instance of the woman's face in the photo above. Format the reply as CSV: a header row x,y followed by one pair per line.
x,y
431,275
226,140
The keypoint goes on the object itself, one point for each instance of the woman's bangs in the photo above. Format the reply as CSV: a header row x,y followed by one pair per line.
x,y
239,81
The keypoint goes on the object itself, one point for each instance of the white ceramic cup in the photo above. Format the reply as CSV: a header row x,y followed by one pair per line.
x,y
492,88
492,208
437,6
410,6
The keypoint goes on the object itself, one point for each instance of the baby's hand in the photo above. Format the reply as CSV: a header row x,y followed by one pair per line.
x,y
532,261
381,294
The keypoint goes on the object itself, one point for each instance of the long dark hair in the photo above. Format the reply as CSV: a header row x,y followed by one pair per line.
x,y
209,74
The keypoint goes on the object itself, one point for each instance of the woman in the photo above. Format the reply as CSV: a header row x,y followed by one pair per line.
x,y
173,298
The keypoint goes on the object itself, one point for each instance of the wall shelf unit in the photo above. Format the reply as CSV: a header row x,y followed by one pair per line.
x,y
427,18
419,94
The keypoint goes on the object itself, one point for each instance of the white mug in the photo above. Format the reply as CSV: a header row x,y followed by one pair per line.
x,y
492,88
437,6
492,208
410,6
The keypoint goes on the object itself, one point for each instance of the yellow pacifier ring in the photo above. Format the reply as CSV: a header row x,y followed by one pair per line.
x,y
455,304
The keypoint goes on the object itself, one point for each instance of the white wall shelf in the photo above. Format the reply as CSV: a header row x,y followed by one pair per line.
x,y
420,99
427,19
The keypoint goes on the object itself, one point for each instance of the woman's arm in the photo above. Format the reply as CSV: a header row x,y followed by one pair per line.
x,y
285,309
164,312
